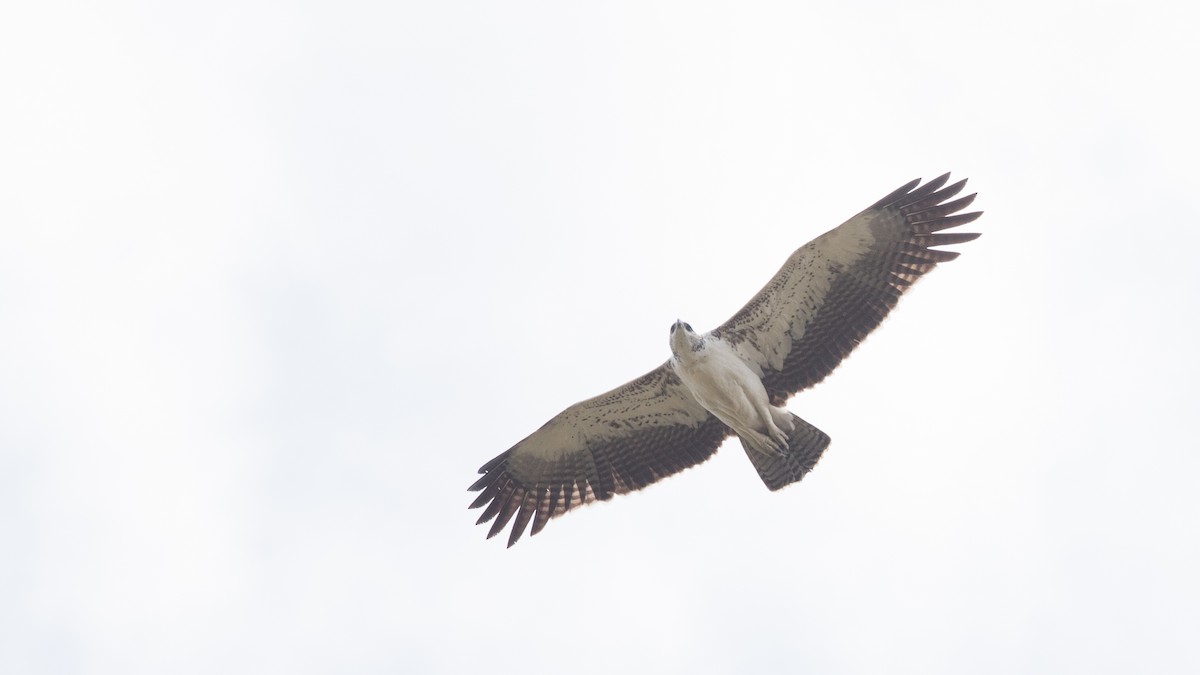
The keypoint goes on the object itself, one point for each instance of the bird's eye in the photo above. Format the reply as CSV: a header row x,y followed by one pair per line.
x,y
673,327
688,327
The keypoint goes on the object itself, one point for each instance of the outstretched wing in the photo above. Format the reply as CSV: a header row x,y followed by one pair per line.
x,y
614,443
837,288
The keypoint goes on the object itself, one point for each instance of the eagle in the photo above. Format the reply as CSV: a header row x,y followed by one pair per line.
x,y
736,378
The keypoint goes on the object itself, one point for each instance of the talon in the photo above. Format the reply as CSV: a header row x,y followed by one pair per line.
x,y
780,442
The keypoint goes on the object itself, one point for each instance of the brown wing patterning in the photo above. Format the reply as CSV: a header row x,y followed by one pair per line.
x,y
863,267
612,444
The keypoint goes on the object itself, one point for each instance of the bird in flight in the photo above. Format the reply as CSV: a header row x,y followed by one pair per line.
x,y
734,379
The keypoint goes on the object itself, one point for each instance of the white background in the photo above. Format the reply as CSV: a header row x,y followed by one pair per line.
x,y
276,278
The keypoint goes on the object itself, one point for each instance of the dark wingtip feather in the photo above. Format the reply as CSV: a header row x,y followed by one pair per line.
x,y
503,496
511,504
925,192
897,194
945,222
968,217
482,499
482,482
946,238
950,190
528,508
495,461
931,214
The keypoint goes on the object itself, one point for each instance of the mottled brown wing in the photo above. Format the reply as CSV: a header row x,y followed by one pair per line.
x,y
614,443
836,289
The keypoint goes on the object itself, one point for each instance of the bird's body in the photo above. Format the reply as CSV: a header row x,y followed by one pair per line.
x,y
734,379
725,386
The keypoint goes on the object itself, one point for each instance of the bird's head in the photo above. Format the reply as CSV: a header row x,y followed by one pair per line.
x,y
683,339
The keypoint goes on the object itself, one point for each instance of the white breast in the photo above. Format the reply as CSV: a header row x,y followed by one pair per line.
x,y
723,384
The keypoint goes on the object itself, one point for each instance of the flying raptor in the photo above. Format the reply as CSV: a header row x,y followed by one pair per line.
x,y
734,379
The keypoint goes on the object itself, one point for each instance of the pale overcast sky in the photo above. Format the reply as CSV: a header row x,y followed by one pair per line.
x,y
276,278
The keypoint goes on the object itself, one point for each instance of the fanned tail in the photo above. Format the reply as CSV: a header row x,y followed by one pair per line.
x,y
805,445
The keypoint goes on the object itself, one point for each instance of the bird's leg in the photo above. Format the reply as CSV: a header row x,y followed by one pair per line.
x,y
779,426
783,419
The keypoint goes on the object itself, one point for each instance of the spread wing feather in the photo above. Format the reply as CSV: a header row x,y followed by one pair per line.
x,y
615,443
836,289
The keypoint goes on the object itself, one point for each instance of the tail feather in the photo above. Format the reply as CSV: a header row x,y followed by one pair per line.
x,y
805,446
